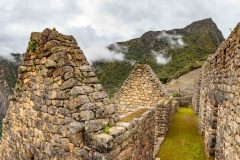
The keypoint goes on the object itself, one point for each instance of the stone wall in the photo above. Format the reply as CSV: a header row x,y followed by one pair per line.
x,y
183,87
219,111
196,95
57,97
141,89
163,118
184,101
60,111
138,139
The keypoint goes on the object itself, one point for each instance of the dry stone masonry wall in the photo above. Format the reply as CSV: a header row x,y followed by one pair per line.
x,y
219,105
57,97
163,118
196,95
59,110
138,139
141,89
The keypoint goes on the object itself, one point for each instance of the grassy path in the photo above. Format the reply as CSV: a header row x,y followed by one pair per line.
x,y
183,141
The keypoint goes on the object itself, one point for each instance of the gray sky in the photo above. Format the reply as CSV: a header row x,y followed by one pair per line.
x,y
96,23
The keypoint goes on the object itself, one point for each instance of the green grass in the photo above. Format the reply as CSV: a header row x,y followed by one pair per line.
x,y
177,94
183,142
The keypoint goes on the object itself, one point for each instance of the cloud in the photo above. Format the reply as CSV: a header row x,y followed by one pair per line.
x,y
161,57
95,24
103,54
175,41
94,44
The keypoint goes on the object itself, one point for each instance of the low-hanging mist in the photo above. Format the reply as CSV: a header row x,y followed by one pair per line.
x,y
174,40
104,54
161,57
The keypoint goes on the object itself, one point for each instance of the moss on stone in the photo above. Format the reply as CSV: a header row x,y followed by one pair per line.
x,y
136,114
183,141
177,94
106,129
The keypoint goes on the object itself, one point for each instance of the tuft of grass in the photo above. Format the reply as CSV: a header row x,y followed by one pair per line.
x,y
177,94
106,129
17,87
136,114
183,142
32,45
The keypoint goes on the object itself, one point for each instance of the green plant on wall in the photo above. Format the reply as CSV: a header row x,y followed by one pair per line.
x,y
106,129
17,87
33,45
177,94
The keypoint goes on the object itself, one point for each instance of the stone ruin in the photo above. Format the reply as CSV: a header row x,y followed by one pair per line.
x,y
142,89
217,100
57,96
59,110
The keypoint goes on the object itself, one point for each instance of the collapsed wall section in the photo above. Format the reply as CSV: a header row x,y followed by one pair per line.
x,y
219,111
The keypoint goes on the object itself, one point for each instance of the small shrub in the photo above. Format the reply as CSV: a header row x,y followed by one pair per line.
x,y
33,45
106,129
177,94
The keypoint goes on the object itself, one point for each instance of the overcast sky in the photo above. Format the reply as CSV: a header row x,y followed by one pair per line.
x,y
96,23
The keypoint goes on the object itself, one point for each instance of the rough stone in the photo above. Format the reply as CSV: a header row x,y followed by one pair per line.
x,y
217,99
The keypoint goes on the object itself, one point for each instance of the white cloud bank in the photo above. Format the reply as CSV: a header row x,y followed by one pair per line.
x,y
102,54
97,23
161,57
174,40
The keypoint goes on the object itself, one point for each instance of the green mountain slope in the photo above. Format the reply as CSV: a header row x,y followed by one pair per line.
x,y
8,77
185,49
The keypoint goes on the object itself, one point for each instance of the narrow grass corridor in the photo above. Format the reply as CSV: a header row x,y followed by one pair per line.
x,y
183,142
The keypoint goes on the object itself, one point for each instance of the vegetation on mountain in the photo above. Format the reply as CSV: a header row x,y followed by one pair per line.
x,y
186,48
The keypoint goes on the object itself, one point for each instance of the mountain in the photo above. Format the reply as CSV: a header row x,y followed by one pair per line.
x,y
8,77
170,53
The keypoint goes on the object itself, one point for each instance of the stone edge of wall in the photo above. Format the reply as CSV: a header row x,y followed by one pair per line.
x,y
107,145
212,100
